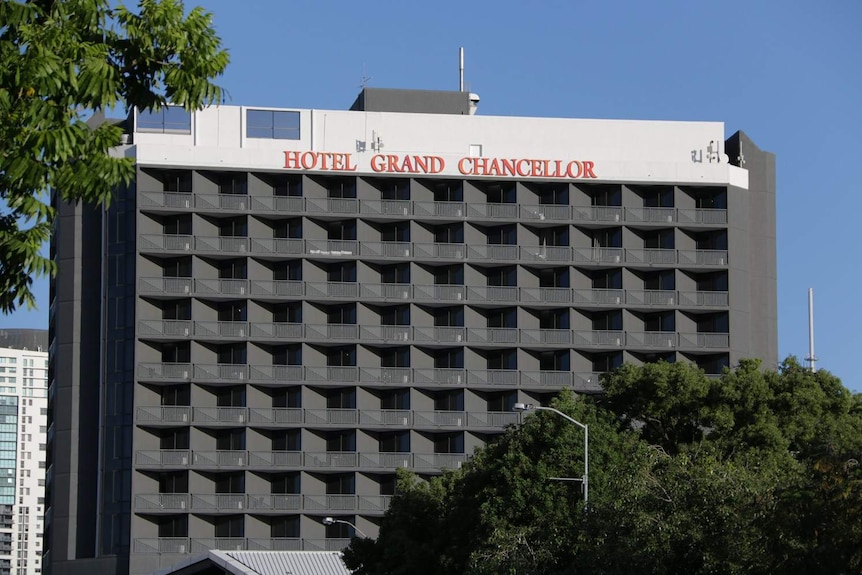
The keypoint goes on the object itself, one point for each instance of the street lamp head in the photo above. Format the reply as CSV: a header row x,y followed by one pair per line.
x,y
522,407
329,521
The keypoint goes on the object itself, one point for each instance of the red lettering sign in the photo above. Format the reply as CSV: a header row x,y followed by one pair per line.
x,y
425,164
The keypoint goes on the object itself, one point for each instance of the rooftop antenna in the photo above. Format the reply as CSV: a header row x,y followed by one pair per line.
x,y
365,79
811,359
461,69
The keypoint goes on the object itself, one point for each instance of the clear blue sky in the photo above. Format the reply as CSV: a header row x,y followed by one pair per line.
x,y
784,71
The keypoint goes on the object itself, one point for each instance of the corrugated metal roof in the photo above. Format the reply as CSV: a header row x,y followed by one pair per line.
x,y
290,562
269,562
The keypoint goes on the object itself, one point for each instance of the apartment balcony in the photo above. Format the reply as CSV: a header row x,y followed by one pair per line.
x,y
164,415
162,545
471,294
172,201
329,290
186,545
275,459
164,372
280,204
275,544
379,418
507,212
218,502
386,250
703,298
332,206
491,419
349,249
440,419
267,460
390,376
332,248
439,335
220,416
651,298
276,416
385,418
702,216
425,461
180,202
336,374
329,417
651,256
219,287
161,502
704,340
277,246
276,331
652,215
221,459
661,340
272,502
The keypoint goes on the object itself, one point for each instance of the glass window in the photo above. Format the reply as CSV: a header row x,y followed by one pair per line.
x,y
277,125
168,120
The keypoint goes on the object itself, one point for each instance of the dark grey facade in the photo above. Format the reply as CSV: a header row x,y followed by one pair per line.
x,y
237,354
32,339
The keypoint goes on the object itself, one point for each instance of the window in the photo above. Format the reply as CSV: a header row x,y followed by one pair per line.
x,y
342,440
230,526
394,442
395,399
287,440
277,125
449,442
285,482
449,400
285,526
168,120
341,398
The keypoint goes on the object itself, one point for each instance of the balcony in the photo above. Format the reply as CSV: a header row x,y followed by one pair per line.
x,y
174,202
439,460
400,376
379,418
351,291
163,415
237,459
161,502
186,545
349,249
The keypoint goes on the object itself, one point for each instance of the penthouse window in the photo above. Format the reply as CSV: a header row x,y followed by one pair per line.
x,y
272,124
168,120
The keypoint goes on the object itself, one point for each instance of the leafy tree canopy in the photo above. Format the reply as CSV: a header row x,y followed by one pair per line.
x,y
61,61
755,472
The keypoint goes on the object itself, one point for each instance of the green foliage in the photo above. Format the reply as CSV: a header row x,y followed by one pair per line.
x,y
756,473
60,61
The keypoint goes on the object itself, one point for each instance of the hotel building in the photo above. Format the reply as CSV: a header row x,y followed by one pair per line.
x,y
288,305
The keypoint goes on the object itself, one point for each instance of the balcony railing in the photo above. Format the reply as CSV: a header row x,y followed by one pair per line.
x,y
432,251
425,209
351,291
394,376
255,416
236,459
187,545
400,334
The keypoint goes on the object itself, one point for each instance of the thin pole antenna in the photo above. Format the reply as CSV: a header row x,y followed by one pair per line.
x,y
812,359
461,69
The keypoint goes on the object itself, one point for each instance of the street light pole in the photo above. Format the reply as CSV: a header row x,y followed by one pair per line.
x,y
332,521
521,407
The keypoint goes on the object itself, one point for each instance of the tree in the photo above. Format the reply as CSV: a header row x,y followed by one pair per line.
x,y
61,61
753,473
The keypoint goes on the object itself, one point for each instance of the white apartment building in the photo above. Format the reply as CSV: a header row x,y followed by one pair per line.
x,y
23,436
